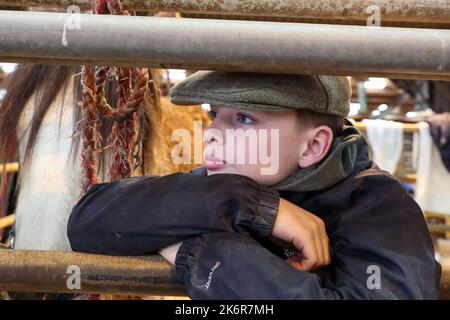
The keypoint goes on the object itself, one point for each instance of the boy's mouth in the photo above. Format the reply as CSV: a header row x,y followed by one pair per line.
x,y
212,163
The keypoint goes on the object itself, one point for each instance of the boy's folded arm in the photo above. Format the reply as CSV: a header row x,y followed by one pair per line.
x,y
231,266
144,214
372,256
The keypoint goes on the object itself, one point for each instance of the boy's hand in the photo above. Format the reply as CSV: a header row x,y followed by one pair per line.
x,y
296,227
306,232
170,252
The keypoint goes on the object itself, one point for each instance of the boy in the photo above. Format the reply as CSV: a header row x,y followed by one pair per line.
x,y
231,217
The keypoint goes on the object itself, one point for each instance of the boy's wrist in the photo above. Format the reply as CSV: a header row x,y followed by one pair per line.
x,y
188,246
280,223
268,201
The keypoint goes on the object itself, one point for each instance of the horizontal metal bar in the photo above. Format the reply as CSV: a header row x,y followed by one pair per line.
x,y
9,167
7,221
438,228
50,271
53,271
390,10
225,45
361,21
407,127
224,68
444,292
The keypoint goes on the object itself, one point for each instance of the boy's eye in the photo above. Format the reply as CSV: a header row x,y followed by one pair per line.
x,y
212,114
242,118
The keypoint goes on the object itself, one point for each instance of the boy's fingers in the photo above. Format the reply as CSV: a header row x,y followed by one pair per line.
x,y
326,249
298,263
325,241
308,265
319,247
327,252
327,256
315,257
295,262
321,240
310,259
308,251
324,244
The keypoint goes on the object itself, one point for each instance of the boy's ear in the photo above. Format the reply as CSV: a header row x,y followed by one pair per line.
x,y
315,148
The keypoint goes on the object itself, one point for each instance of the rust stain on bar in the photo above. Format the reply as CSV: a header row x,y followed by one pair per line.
x,y
49,271
390,10
227,45
46,271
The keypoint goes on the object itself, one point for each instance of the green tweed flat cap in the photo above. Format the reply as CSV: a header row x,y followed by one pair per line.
x,y
265,92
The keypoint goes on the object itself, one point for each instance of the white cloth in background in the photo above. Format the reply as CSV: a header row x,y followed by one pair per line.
x,y
432,191
386,142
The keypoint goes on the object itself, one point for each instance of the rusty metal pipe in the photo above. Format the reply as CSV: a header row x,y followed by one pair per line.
x,y
50,271
226,45
424,11
7,221
444,292
9,167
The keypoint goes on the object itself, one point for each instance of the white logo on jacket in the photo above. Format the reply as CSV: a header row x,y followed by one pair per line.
x,y
214,267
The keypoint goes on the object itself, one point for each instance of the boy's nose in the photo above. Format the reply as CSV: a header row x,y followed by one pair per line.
x,y
213,134
209,138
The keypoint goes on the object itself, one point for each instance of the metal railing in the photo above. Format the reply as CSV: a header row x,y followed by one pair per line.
x,y
55,271
250,46
402,11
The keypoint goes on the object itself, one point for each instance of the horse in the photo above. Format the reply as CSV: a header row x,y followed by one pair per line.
x,y
38,117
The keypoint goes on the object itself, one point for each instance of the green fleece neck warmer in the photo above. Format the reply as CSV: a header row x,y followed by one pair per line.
x,y
336,166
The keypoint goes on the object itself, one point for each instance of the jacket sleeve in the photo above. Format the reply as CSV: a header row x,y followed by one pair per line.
x,y
380,250
141,215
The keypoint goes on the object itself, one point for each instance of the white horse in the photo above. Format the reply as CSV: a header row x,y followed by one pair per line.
x,y
49,183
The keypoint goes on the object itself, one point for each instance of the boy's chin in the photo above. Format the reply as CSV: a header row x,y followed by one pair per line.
x,y
264,180
222,171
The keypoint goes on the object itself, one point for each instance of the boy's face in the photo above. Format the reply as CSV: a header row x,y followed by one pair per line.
x,y
263,146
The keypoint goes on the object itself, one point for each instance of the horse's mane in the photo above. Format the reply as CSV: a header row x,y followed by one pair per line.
x,y
42,81
45,83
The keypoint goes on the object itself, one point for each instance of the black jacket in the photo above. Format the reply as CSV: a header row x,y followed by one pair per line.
x,y
381,248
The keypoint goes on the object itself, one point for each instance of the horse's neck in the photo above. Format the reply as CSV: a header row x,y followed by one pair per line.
x,y
50,183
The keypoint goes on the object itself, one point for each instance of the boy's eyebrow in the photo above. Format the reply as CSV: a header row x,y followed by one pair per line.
x,y
253,113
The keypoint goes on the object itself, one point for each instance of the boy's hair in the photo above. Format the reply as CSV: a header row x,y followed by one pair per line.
x,y
310,118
